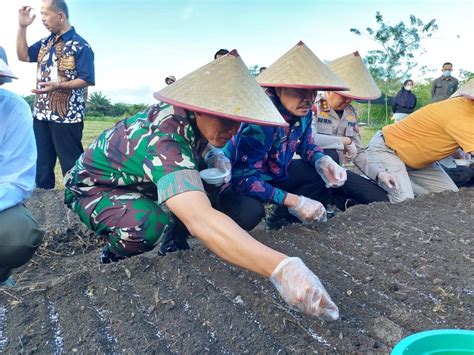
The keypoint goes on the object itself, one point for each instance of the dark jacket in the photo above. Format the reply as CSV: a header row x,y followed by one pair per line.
x,y
404,102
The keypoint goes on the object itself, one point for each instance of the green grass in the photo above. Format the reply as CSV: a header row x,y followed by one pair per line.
x,y
92,128
366,133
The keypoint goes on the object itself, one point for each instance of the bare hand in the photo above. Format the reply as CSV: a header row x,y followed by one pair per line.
x,y
350,151
389,180
46,86
24,16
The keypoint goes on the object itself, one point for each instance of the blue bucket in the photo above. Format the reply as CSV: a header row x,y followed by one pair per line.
x,y
437,342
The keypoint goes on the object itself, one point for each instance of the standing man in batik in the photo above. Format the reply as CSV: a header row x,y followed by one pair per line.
x,y
65,70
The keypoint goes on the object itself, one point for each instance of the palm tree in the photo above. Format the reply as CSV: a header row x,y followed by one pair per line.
x,y
98,104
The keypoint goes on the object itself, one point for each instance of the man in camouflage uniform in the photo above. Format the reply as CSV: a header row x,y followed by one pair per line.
x,y
143,159
142,174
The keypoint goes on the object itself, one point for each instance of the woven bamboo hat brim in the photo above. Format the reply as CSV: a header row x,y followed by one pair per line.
x,y
224,88
467,90
353,71
300,68
5,70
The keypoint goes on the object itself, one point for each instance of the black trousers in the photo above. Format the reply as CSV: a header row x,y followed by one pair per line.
x,y
303,179
56,140
463,176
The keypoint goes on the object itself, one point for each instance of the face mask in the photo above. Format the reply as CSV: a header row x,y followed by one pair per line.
x,y
447,73
408,87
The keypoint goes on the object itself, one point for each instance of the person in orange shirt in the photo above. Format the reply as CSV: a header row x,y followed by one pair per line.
x,y
403,157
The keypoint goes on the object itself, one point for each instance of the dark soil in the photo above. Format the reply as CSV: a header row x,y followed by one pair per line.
x,y
392,270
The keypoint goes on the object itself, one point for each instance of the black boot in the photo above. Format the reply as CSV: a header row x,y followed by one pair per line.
x,y
279,218
174,239
108,257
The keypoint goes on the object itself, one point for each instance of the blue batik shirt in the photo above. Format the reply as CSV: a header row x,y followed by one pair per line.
x,y
62,59
260,155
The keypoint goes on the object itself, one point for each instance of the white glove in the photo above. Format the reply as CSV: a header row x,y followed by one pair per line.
x,y
331,173
350,151
215,158
302,290
308,210
389,181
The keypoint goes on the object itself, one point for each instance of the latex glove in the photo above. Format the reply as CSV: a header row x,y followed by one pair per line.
x,y
389,181
215,158
350,151
308,210
332,173
302,290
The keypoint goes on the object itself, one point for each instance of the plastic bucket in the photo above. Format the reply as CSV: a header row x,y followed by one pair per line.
x,y
437,342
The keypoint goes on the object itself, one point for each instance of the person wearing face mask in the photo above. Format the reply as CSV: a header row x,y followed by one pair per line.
x,y
444,86
405,101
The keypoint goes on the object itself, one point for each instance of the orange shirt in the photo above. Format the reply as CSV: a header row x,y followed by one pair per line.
x,y
433,132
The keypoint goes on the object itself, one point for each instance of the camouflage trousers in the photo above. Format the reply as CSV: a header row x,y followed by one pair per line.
x,y
131,222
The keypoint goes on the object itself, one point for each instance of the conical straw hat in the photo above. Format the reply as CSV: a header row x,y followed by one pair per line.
x,y
467,90
223,88
300,68
353,71
5,70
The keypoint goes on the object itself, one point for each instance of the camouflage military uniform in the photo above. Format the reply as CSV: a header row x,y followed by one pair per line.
x,y
119,185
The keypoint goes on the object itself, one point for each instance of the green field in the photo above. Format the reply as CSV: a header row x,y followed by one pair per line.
x,y
93,128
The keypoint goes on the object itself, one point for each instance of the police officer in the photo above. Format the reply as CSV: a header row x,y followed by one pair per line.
x,y
335,123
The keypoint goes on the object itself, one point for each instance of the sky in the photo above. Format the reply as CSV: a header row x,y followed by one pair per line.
x,y
138,43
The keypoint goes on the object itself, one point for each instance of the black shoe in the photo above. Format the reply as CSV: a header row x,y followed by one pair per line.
x,y
278,221
174,239
108,257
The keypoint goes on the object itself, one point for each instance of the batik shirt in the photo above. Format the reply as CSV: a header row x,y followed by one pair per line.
x,y
62,59
260,155
154,153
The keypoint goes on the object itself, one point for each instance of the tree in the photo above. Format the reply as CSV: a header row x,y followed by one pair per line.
x,y
30,99
119,109
400,44
465,75
98,104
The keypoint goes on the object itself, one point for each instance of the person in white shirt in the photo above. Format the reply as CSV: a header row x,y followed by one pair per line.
x,y
20,234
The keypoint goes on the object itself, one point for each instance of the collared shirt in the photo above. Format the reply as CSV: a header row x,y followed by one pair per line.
x,y
443,87
261,155
17,150
154,153
62,59
328,122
